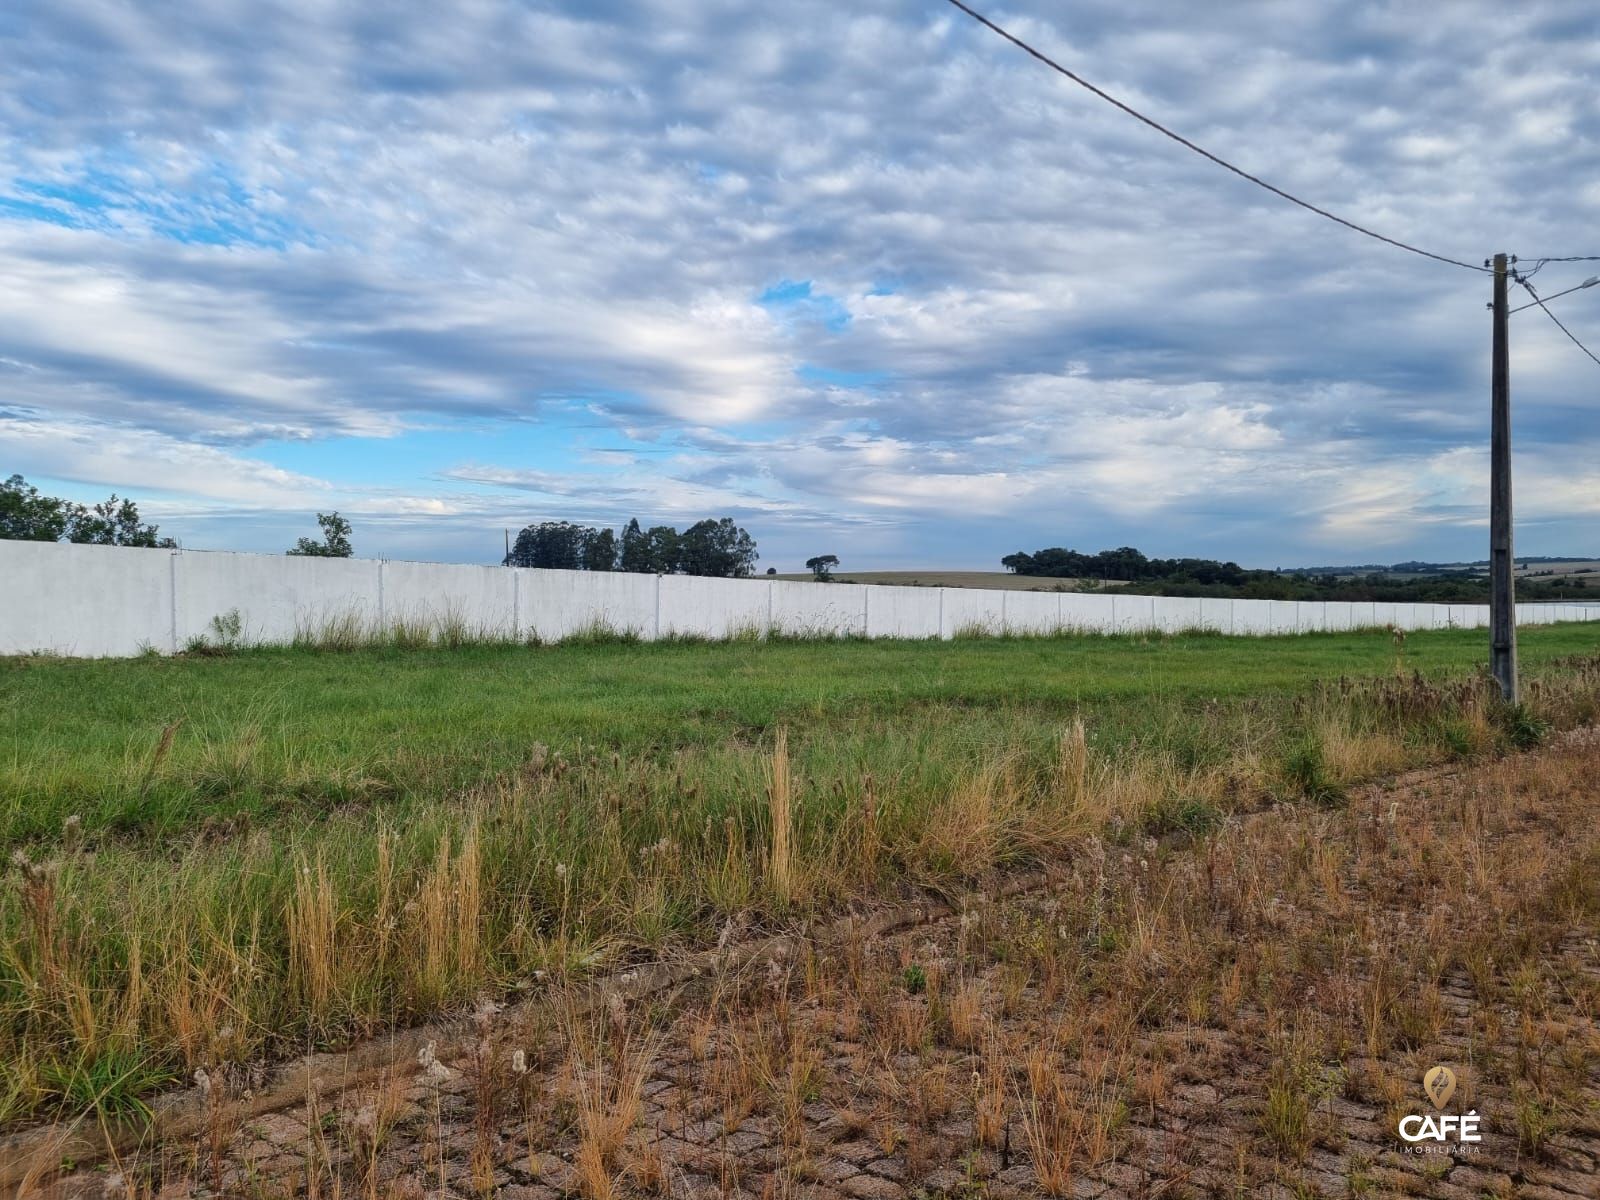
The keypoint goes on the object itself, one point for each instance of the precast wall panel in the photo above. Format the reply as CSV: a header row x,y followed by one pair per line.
x,y
552,605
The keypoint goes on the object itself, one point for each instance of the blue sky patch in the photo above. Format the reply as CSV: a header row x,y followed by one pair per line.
x,y
796,300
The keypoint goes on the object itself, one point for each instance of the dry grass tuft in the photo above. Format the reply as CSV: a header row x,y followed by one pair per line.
x,y
609,1060
780,809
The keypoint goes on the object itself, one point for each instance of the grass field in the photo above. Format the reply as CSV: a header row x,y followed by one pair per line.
x,y
219,857
1211,1016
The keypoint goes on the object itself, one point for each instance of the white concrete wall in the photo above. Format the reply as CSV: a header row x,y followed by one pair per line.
x,y
1216,615
275,596
1339,614
1252,616
1176,614
713,608
1133,614
1032,612
1094,612
97,600
87,601
970,611
1283,616
902,612
818,610
552,605
478,600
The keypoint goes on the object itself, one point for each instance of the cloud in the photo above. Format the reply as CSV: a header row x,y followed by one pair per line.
x,y
867,274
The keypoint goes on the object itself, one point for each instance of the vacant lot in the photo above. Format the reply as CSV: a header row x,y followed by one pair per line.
x,y
1245,1009
216,859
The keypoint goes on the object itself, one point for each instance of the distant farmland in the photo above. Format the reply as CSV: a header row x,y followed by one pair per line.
x,y
1004,580
1590,567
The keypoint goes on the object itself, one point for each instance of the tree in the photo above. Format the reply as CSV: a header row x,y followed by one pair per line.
x,y
661,550
821,567
28,515
1124,563
635,555
716,548
705,548
600,550
335,539
557,545
114,522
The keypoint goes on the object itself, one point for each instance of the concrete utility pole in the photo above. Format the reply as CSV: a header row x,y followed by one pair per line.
x,y
1502,564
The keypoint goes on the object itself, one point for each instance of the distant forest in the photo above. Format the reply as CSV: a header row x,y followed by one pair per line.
x,y
1421,567
715,548
1134,572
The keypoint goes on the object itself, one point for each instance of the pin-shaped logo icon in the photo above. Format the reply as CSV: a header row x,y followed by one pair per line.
x,y
1440,1084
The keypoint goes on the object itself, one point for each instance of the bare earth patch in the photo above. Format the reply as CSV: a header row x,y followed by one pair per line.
x,y
1245,1012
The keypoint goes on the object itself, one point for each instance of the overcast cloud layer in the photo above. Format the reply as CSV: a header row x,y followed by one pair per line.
x,y
862,276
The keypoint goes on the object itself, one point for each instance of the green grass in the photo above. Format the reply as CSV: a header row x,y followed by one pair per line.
x,y
216,857
292,734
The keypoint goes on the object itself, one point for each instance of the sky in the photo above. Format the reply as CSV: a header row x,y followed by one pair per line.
x,y
863,277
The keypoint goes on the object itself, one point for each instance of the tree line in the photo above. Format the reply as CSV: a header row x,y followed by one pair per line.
x,y
1124,563
1437,589
1209,577
710,547
28,515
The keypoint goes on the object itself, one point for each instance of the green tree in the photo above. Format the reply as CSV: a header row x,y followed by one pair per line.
x,y
716,548
114,522
553,545
663,550
28,516
635,554
600,550
821,567
335,541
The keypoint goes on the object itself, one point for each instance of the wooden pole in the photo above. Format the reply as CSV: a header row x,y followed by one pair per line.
x,y
1502,563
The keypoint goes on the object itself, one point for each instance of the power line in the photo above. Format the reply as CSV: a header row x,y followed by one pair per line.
x,y
1557,320
1554,296
1201,150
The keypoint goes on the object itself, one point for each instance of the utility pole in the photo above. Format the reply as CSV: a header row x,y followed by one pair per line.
x,y
1502,565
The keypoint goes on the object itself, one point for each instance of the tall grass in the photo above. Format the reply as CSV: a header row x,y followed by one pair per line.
x,y
780,865
262,920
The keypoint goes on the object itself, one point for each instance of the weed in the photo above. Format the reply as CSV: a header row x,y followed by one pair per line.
x,y
111,1083
1194,816
1306,774
1524,729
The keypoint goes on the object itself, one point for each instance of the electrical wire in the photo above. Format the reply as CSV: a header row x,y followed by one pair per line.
x,y
1553,296
1201,150
1557,320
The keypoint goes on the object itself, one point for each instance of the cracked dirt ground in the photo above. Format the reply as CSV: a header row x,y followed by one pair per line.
x,y
1245,1007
